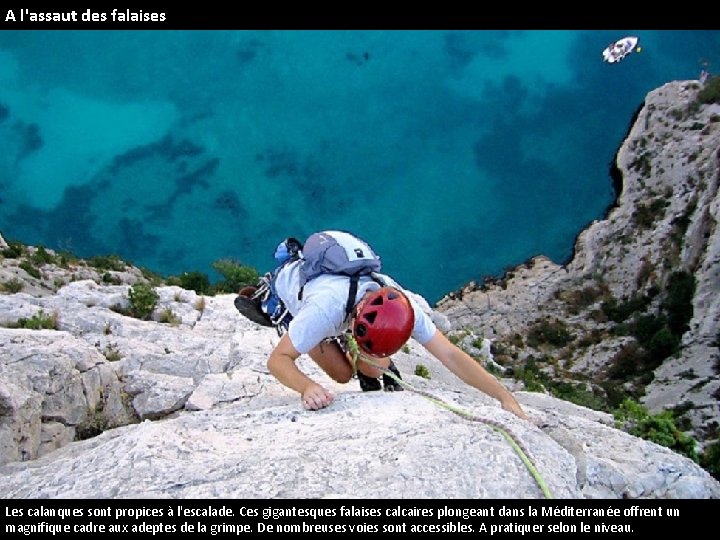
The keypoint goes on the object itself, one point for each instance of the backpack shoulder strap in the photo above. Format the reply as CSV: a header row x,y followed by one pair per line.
x,y
352,293
377,278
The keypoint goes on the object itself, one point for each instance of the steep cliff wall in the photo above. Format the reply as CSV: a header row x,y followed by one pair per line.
x,y
636,312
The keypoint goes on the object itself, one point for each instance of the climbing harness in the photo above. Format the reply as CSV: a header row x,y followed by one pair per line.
x,y
512,440
269,303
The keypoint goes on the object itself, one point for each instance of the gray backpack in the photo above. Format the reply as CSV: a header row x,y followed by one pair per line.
x,y
338,252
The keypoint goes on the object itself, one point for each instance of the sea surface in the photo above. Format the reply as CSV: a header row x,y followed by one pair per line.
x,y
455,154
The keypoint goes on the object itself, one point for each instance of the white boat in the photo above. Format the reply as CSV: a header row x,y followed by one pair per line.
x,y
620,49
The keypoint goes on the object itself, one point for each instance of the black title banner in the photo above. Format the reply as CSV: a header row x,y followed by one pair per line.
x,y
241,517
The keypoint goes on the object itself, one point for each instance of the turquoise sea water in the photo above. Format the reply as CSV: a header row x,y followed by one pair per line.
x,y
456,154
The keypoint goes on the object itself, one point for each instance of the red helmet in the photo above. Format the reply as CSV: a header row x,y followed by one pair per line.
x,y
384,322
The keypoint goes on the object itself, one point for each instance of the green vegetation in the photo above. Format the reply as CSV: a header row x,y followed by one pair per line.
x,y
107,262
422,371
644,273
30,269
152,277
530,375
645,215
192,281
12,285
710,93
578,393
65,259
41,256
143,300
15,250
168,317
575,392
710,459
112,353
659,428
95,424
110,279
629,363
549,332
678,113
658,333
619,312
39,321
630,416
235,276
642,164
582,298
492,368
678,302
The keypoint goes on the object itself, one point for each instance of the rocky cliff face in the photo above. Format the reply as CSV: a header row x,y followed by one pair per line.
x,y
636,311
95,403
104,405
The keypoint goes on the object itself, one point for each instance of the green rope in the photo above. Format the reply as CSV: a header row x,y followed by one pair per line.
x,y
511,439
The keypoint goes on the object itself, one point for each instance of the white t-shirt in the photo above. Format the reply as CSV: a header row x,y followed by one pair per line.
x,y
321,312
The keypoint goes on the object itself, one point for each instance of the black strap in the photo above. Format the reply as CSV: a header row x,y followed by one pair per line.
x,y
352,293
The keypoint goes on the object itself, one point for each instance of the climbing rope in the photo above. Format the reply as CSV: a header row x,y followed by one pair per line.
x,y
512,439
